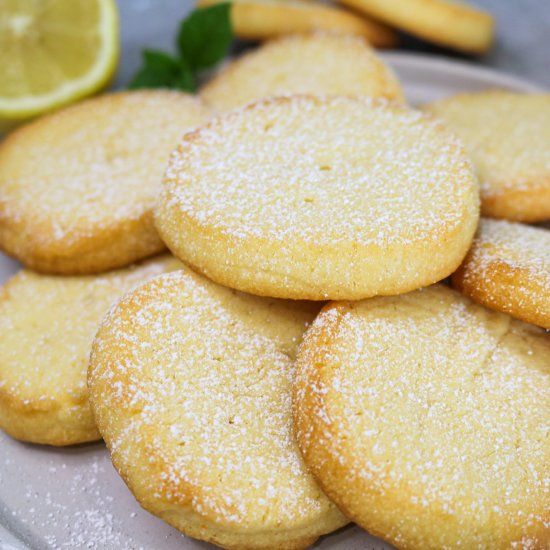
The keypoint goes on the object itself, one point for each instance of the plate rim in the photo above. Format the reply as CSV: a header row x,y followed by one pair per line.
x,y
433,62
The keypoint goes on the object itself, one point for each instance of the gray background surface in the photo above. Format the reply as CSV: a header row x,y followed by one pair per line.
x,y
522,45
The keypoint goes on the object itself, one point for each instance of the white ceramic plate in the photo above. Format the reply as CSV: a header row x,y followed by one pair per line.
x,y
73,498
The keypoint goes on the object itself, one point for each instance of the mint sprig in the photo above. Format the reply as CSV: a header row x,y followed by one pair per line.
x,y
205,36
203,40
161,70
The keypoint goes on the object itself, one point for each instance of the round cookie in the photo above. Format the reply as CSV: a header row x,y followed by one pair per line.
x,y
318,63
291,197
191,384
508,269
425,418
263,19
448,23
48,324
77,187
508,137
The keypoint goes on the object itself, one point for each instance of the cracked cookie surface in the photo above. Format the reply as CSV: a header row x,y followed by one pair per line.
x,y
424,417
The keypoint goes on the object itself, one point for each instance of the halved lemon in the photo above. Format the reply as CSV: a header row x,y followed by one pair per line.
x,y
53,52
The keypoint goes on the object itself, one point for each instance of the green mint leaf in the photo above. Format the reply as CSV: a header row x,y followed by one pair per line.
x,y
205,36
185,81
160,61
146,79
159,71
203,40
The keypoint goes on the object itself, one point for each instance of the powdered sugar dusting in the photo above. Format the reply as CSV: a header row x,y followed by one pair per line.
x,y
319,63
191,389
312,197
518,245
72,498
507,135
509,265
437,400
94,165
323,171
48,324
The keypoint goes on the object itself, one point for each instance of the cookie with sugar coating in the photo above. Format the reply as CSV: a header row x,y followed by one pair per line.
x,y
508,269
450,23
77,187
48,324
190,384
508,137
262,19
424,416
318,63
291,197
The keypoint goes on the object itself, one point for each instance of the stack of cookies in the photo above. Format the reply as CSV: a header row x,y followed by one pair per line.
x,y
300,361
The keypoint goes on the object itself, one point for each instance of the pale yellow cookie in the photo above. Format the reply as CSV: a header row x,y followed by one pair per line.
x,y
450,23
425,418
47,325
263,19
508,137
317,198
319,63
508,269
77,187
190,384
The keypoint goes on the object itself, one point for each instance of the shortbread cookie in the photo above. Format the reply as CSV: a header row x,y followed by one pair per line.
x,y
316,198
77,187
190,384
47,325
319,63
263,19
425,418
508,269
450,23
508,136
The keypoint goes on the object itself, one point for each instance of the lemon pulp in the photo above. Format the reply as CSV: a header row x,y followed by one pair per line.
x,y
53,52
